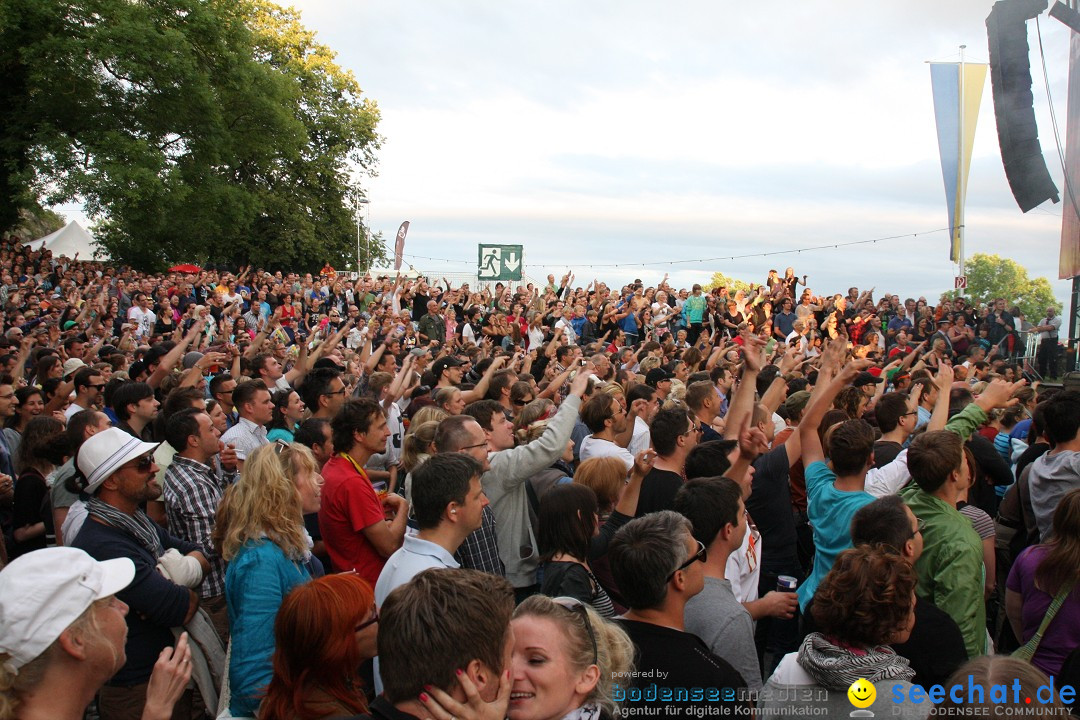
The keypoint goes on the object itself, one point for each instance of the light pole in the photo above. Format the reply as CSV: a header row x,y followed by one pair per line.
x,y
359,201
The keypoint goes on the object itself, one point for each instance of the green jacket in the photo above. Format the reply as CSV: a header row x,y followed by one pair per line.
x,y
433,327
951,573
951,566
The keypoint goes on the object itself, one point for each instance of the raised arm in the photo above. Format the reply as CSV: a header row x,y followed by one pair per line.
x,y
822,398
481,388
742,402
172,358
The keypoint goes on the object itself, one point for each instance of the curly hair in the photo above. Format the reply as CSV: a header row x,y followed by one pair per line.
x,y
849,399
614,649
866,598
265,502
44,444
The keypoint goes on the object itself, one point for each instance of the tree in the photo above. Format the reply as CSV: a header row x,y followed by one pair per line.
x,y
719,279
38,222
208,130
991,276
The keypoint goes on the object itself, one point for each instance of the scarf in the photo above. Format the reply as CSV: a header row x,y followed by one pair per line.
x,y
141,527
836,668
588,711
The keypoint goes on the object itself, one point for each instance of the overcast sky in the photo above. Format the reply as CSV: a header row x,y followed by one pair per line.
x,y
602,132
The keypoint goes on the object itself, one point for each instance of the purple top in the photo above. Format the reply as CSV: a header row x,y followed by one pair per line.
x,y
1063,634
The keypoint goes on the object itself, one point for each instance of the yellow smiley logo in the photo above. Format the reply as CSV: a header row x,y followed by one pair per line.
x,y
862,693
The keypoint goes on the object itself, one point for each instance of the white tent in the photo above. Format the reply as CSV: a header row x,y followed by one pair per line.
x,y
68,240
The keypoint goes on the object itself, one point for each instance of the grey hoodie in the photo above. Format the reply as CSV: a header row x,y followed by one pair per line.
x,y
1052,476
504,485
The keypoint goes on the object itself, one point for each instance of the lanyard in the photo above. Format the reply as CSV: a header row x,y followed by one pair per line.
x,y
356,465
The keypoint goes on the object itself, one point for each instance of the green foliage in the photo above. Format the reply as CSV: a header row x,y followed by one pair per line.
x,y
719,279
213,130
36,222
992,276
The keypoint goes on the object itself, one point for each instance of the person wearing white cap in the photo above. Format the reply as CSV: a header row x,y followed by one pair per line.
x,y
118,474
62,634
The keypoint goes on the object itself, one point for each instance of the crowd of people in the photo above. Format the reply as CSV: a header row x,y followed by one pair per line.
x,y
294,497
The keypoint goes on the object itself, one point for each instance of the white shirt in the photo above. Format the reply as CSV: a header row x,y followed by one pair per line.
x,y
412,558
743,569
641,439
144,321
802,340
568,331
594,447
246,436
1056,322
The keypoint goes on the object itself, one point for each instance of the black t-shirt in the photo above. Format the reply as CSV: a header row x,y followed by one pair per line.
x,y
769,505
675,668
419,306
31,506
658,490
885,451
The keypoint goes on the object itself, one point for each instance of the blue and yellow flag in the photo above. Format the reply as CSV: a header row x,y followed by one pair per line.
x,y
955,143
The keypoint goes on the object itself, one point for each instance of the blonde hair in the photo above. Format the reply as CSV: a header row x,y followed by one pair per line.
x,y
648,364
532,412
605,476
416,446
530,432
14,685
614,650
266,502
426,414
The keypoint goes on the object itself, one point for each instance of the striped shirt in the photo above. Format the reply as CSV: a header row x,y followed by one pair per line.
x,y
246,436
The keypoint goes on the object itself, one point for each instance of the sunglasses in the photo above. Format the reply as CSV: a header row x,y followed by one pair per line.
x,y
577,607
701,555
142,463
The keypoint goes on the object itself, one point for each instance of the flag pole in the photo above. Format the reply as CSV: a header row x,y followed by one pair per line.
x,y
962,185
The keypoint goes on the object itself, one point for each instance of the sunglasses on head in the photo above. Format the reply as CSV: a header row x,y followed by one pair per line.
x,y
578,608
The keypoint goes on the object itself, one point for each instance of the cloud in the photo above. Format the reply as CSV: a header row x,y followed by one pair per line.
x,y
635,131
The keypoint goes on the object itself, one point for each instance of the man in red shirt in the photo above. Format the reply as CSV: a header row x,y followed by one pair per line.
x,y
360,525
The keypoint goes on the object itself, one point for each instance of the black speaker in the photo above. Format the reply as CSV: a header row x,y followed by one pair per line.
x,y
1010,79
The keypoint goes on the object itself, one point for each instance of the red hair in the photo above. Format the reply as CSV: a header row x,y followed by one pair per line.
x,y
316,648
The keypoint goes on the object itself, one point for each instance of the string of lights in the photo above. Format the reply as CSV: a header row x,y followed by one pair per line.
x,y
825,246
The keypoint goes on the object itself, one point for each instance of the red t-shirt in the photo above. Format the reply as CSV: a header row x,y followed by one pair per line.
x,y
349,504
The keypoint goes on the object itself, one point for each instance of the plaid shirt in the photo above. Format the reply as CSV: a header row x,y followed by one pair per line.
x,y
480,551
191,492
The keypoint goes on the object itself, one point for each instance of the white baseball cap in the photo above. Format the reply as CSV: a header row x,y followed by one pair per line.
x,y
104,452
44,591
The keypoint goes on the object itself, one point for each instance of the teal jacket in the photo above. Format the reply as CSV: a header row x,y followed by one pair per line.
x,y
256,581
